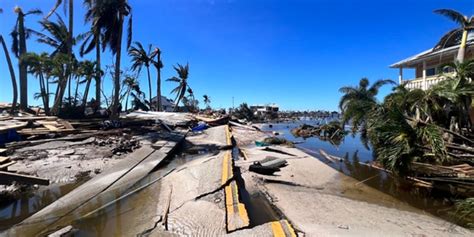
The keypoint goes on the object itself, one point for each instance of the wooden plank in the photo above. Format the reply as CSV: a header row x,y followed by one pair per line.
x,y
51,127
8,177
12,125
3,151
4,159
66,231
5,166
34,118
66,124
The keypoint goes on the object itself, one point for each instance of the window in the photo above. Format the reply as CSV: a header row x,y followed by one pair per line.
x,y
430,72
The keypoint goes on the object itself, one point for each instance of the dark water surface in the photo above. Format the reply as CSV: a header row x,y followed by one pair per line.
x,y
354,155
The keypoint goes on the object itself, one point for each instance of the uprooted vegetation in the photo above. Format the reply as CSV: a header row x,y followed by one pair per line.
x,y
333,132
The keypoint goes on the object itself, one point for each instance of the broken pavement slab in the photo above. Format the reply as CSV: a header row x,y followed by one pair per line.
x,y
280,228
330,203
169,118
236,213
218,137
83,199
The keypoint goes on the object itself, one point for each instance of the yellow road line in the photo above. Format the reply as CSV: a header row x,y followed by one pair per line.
x,y
243,214
225,167
228,135
237,216
242,211
277,229
229,200
290,228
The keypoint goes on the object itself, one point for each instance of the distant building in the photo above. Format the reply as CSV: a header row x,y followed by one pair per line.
x,y
427,64
265,110
167,105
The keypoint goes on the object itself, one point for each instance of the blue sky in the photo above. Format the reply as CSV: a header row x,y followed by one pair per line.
x,y
296,53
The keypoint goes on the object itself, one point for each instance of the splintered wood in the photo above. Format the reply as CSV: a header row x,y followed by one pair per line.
x,y
36,125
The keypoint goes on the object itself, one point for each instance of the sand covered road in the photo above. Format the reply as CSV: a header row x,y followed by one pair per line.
x,y
320,201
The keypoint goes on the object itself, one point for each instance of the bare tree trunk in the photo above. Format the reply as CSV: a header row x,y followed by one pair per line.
x,y
86,94
76,92
158,82
98,74
44,94
115,103
59,95
149,85
22,66
69,46
12,74
126,100
462,47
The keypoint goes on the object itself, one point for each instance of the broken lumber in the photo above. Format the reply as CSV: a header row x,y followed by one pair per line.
x,y
6,165
9,177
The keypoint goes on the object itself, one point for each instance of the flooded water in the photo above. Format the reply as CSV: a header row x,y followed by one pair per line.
x,y
354,154
28,203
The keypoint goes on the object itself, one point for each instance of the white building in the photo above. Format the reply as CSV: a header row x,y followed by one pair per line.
x,y
167,105
427,64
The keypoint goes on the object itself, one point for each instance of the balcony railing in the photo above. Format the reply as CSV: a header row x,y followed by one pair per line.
x,y
419,83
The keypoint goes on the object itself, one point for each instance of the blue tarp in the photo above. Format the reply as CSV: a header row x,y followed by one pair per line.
x,y
200,127
10,136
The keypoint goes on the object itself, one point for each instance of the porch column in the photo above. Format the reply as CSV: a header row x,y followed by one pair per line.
x,y
400,76
424,86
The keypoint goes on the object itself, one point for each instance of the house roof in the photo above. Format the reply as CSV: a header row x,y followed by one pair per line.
x,y
411,61
164,101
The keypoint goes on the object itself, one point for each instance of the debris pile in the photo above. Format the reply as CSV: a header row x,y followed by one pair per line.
x,y
274,141
332,131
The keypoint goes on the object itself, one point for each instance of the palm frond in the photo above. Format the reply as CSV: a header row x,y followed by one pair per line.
x,y
453,15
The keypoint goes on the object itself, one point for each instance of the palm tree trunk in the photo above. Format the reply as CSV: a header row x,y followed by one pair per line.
x,y
76,92
59,95
22,65
86,92
47,92
149,85
12,74
115,102
178,99
44,94
158,82
462,47
126,100
69,88
69,44
97,75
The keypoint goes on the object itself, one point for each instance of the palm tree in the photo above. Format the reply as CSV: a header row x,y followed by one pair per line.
x,y
158,65
87,70
357,102
397,141
131,83
12,72
112,15
37,65
69,7
207,100
19,35
58,39
182,80
466,25
142,58
458,90
58,35
92,40
59,70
